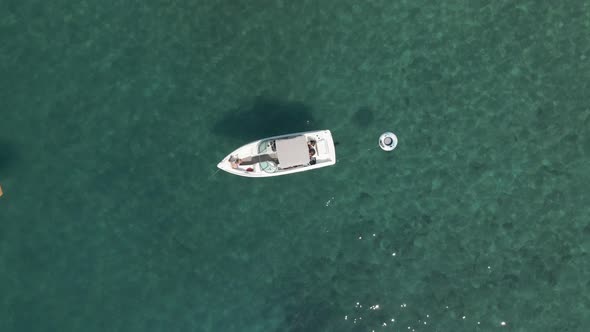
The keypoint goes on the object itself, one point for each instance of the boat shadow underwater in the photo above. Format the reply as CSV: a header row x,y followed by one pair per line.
x,y
265,117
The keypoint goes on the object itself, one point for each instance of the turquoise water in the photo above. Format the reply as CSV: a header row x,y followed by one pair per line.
x,y
115,113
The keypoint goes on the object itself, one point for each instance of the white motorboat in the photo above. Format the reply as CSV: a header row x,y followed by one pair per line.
x,y
281,155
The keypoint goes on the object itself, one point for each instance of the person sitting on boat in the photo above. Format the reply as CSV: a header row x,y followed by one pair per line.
x,y
234,162
312,160
311,144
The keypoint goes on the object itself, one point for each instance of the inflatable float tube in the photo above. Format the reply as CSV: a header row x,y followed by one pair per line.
x,y
388,141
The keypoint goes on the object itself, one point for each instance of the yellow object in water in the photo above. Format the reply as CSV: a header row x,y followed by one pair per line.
x,y
1,191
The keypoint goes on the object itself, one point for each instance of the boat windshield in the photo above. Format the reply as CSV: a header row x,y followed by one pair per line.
x,y
266,146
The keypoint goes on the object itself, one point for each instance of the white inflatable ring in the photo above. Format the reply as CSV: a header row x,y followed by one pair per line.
x,y
388,141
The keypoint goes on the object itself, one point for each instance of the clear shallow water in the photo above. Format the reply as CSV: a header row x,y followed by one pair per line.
x,y
114,114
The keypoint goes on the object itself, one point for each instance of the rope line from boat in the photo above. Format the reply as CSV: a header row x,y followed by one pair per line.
x,y
213,174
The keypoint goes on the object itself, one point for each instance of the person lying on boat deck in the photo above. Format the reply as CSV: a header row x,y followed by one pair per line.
x,y
235,162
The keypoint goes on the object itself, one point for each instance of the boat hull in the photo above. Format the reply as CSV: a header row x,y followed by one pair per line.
x,y
326,156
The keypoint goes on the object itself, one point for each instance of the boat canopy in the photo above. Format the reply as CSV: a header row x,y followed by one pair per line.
x,y
292,151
